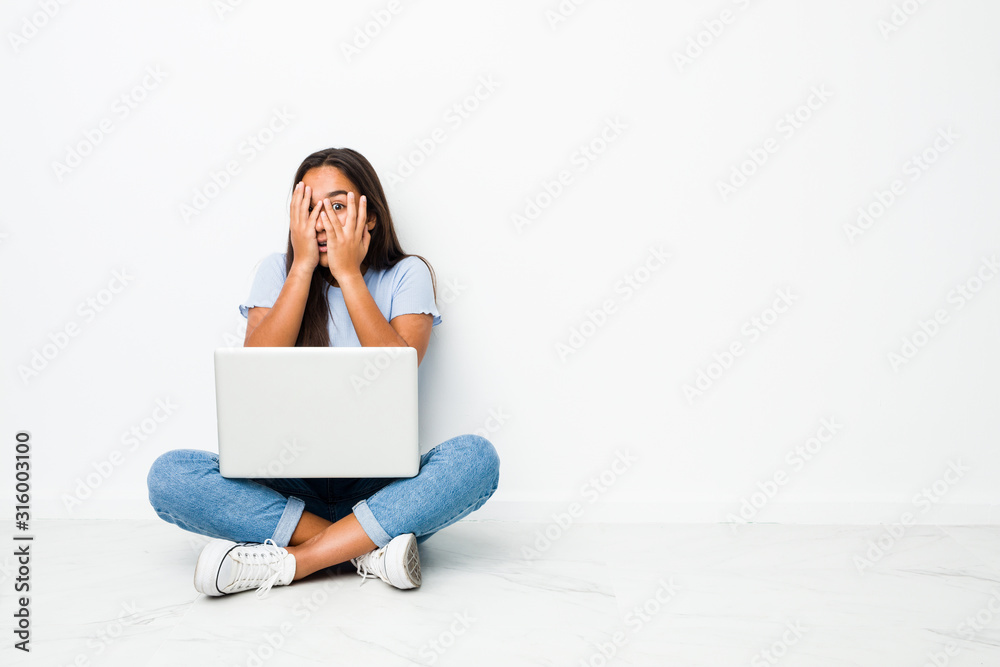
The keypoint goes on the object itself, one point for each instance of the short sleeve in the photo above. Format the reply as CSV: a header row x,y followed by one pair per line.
x,y
412,290
267,284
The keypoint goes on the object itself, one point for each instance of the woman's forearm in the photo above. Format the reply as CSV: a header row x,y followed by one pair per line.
x,y
280,327
369,323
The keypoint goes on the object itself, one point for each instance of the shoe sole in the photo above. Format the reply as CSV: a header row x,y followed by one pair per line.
x,y
206,572
405,560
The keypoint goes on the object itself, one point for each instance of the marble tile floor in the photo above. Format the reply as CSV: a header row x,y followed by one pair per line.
x,y
121,593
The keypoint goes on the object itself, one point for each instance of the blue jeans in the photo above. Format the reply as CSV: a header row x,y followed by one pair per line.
x,y
456,477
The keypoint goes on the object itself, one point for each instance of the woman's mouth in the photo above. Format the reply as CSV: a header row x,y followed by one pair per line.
x,y
322,246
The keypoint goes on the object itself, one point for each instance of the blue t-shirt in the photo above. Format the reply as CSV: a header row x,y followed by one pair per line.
x,y
398,290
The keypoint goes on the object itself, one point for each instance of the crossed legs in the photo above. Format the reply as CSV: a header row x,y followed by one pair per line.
x,y
318,543
455,478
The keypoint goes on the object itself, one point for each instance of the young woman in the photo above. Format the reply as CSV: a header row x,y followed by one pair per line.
x,y
344,280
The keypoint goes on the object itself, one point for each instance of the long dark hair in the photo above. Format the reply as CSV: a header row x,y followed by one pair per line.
x,y
384,250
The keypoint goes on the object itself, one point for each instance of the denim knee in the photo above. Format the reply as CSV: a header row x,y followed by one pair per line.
x,y
485,461
163,478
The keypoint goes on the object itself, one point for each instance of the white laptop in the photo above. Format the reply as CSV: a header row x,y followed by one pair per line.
x,y
317,411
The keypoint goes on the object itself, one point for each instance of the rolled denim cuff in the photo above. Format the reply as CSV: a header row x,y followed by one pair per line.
x,y
288,521
369,524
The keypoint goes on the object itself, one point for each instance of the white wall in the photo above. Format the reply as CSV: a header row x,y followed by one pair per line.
x,y
512,294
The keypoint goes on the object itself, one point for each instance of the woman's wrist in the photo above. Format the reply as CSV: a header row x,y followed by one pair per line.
x,y
301,270
351,279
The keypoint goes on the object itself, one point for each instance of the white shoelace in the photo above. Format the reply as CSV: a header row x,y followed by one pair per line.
x,y
258,565
371,565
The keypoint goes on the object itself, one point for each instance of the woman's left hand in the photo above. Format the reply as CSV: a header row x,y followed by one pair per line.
x,y
347,237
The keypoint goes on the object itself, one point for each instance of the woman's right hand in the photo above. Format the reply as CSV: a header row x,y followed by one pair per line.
x,y
302,225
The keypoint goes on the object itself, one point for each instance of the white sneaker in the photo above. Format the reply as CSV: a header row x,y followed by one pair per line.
x,y
397,563
225,567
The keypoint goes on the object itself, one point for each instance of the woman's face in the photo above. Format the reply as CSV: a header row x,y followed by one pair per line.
x,y
328,182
